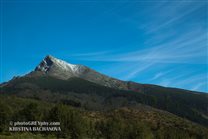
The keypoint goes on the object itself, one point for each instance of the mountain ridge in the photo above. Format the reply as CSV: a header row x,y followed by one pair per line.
x,y
48,66
63,70
90,89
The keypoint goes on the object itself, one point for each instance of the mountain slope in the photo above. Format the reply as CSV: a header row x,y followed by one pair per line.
x,y
60,69
123,123
81,93
57,81
92,105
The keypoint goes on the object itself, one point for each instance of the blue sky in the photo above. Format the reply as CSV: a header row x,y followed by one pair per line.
x,y
154,42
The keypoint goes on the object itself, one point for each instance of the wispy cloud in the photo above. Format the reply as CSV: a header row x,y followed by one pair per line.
x,y
189,49
171,14
90,54
192,79
198,86
176,36
139,68
160,74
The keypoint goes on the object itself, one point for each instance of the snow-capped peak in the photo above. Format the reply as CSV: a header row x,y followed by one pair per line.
x,y
64,65
53,67
49,61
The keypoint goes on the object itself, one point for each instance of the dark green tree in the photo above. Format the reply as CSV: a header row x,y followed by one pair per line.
x,y
30,112
5,113
72,123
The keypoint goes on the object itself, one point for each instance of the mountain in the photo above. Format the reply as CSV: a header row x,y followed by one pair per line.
x,y
59,76
62,70
57,82
51,66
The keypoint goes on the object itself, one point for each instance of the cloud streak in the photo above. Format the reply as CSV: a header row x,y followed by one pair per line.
x,y
176,36
185,50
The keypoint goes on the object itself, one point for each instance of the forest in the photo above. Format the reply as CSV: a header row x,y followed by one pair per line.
x,y
78,123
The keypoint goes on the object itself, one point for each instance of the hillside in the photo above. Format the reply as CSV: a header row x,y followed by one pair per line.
x,y
141,123
81,93
92,105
